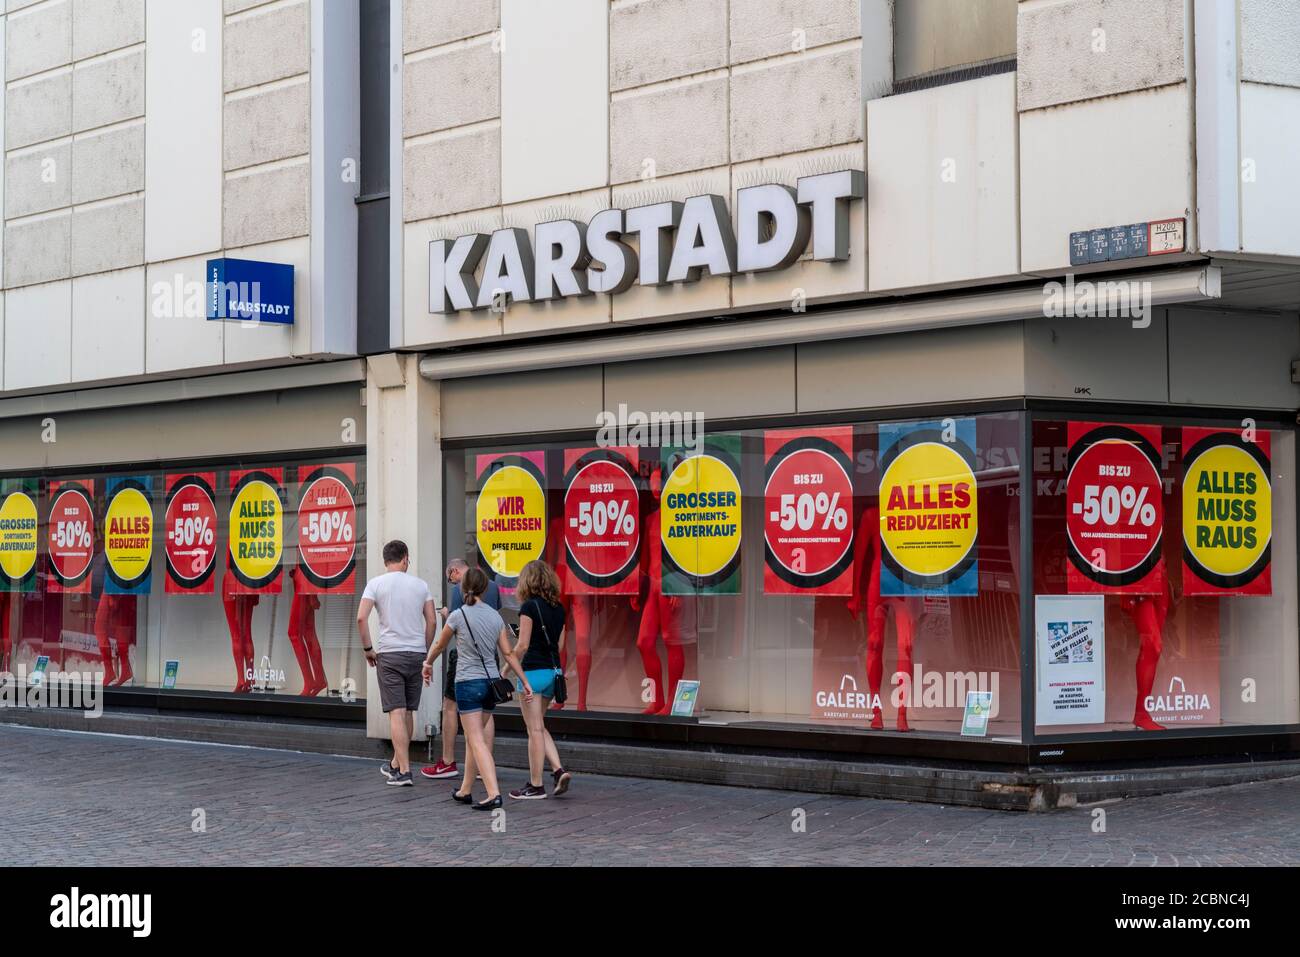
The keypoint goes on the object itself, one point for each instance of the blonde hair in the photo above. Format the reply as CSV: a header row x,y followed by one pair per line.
x,y
538,580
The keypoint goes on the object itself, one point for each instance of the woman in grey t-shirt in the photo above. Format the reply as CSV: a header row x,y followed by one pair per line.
x,y
480,634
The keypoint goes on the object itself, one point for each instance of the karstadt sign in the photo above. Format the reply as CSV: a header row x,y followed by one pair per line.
x,y
676,242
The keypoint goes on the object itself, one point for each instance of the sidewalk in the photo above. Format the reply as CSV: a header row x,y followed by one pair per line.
x,y
77,799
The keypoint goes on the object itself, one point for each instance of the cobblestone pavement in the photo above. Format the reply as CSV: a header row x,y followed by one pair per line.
x,y
68,798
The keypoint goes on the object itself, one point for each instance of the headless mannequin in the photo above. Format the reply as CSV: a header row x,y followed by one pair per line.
x,y
302,635
6,646
1149,613
866,597
115,619
239,619
662,614
577,608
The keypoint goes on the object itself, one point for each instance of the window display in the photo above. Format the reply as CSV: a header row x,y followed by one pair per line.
x,y
252,565
1168,535
861,576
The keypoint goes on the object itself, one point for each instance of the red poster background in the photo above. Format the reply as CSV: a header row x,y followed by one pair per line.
x,y
618,551
1193,584
196,500
791,452
1135,557
232,585
332,563
68,562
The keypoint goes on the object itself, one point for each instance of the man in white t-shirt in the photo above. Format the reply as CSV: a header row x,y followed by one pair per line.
x,y
407,622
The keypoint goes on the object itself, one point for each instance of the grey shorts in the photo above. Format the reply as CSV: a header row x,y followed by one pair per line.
x,y
400,680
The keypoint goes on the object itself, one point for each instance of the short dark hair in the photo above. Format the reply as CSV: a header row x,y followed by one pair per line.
x,y
395,551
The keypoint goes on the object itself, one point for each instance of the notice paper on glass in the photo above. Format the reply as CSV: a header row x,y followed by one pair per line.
x,y
1070,637
975,719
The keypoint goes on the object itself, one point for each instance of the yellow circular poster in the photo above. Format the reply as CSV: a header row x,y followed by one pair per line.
x,y
256,516
929,517
1227,513
699,517
128,535
510,520
17,536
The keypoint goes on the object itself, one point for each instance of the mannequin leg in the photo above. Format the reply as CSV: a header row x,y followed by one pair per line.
x,y
671,625
125,641
246,632
103,616
234,616
647,640
304,661
320,681
906,627
877,614
582,642
1151,625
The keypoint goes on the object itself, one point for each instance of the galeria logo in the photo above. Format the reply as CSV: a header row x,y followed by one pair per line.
x,y
1183,705
102,911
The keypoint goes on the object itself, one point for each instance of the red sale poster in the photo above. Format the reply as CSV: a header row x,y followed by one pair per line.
x,y
326,528
1114,509
70,536
1227,503
602,521
256,532
808,499
190,533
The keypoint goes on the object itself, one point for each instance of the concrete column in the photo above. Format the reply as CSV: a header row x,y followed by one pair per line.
x,y
403,494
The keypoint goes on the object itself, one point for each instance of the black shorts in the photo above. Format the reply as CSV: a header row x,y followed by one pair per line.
x,y
401,680
449,676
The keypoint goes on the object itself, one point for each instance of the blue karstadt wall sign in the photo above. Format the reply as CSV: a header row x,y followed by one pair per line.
x,y
250,291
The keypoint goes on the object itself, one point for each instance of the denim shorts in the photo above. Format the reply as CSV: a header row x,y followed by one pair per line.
x,y
542,681
474,695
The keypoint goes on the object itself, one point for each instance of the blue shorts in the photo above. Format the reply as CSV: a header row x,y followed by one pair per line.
x,y
474,695
542,681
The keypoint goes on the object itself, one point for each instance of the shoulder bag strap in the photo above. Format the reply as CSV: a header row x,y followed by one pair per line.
x,y
550,646
473,640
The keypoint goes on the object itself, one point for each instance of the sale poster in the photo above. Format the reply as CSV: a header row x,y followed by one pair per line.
x,y
929,508
128,535
808,498
18,534
256,531
1070,635
190,539
510,512
70,536
327,523
1114,509
1227,513
699,518
602,521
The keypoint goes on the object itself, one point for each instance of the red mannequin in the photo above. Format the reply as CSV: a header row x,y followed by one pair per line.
x,y
239,618
115,618
662,613
866,573
578,610
6,646
302,635
1148,613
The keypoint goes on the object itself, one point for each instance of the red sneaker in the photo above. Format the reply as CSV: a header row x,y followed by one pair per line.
x,y
441,770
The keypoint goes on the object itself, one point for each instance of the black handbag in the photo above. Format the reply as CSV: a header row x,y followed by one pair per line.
x,y
501,689
561,685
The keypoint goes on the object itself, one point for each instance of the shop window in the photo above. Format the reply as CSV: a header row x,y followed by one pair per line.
x,y
239,577
938,41
846,576
1164,576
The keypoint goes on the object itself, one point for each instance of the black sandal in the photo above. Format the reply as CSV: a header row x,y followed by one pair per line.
x,y
462,798
489,804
